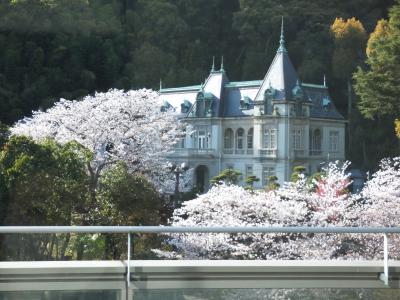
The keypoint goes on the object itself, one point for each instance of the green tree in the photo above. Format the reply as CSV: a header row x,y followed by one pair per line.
x,y
297,171
43,184
272,183
228,176
250,181
378,86
127,199
4,135
349,40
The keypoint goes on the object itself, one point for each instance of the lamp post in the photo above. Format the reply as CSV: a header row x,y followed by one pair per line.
x,y
178,170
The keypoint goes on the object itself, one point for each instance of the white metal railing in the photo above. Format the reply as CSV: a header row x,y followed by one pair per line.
x,y
315,152
190,151
228,151
201,229
267,152
239,151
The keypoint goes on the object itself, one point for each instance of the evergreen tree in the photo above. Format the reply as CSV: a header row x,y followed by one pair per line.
x,y
379,85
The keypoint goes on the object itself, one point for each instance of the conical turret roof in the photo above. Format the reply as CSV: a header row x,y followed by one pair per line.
x,y
281,74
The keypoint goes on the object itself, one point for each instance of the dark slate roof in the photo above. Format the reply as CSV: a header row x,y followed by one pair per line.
x,y
319,109
281,76
231,104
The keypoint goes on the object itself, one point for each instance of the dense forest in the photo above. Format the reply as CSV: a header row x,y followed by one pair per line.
x,y
51,49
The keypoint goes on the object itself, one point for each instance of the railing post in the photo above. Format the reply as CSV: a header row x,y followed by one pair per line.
x,y
385,275
128,269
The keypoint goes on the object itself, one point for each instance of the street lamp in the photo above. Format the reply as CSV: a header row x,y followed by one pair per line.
x,y
178,170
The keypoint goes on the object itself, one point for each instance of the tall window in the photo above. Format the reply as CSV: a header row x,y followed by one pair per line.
x,y
269,138
333,141
249,170
250,138
316,140
240,138
182,139
202,139
297,139
228,139
266,173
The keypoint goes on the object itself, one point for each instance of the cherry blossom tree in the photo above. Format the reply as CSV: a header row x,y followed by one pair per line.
x,y
115,126
378,204
322,202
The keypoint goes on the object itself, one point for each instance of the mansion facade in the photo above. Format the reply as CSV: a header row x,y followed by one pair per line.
x,y
261,127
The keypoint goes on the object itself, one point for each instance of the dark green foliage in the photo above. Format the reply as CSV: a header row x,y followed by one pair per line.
x,y
48,184
250,181
4,135
272,183
63,48
42,184
126,199
228,176
379,85
297,170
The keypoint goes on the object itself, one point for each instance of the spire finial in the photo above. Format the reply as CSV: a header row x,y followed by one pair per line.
x,y
160,84
324,80
222,63
282,40
213,65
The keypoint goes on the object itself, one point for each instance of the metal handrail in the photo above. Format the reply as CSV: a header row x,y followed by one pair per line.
x,y
203,229
195,229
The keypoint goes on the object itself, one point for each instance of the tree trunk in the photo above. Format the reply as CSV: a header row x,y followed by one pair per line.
x,y
349,115
92,184
64,246
364,150
51,247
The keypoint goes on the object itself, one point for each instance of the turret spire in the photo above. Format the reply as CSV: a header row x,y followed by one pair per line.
x,y
282,40
222,64
324,81
213,65
160,84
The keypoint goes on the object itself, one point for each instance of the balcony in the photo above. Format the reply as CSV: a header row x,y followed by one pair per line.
x,y
315,152
299,153
238,151
228,151
199,279
186,152
270,153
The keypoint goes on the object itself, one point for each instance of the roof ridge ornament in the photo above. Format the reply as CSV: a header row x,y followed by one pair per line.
x,y
324,80
213,65
160,84
222,64
282,47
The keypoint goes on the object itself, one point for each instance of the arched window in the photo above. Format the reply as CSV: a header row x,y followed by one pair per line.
x,y
315,142
240,138
228,138
250,138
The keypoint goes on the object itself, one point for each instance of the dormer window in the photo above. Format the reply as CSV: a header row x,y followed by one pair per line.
x,y
245,103
326,103
268,97
185,106
204,104
165,106
297,92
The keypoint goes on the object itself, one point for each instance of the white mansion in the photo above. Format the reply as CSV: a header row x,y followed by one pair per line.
x,y
262,127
